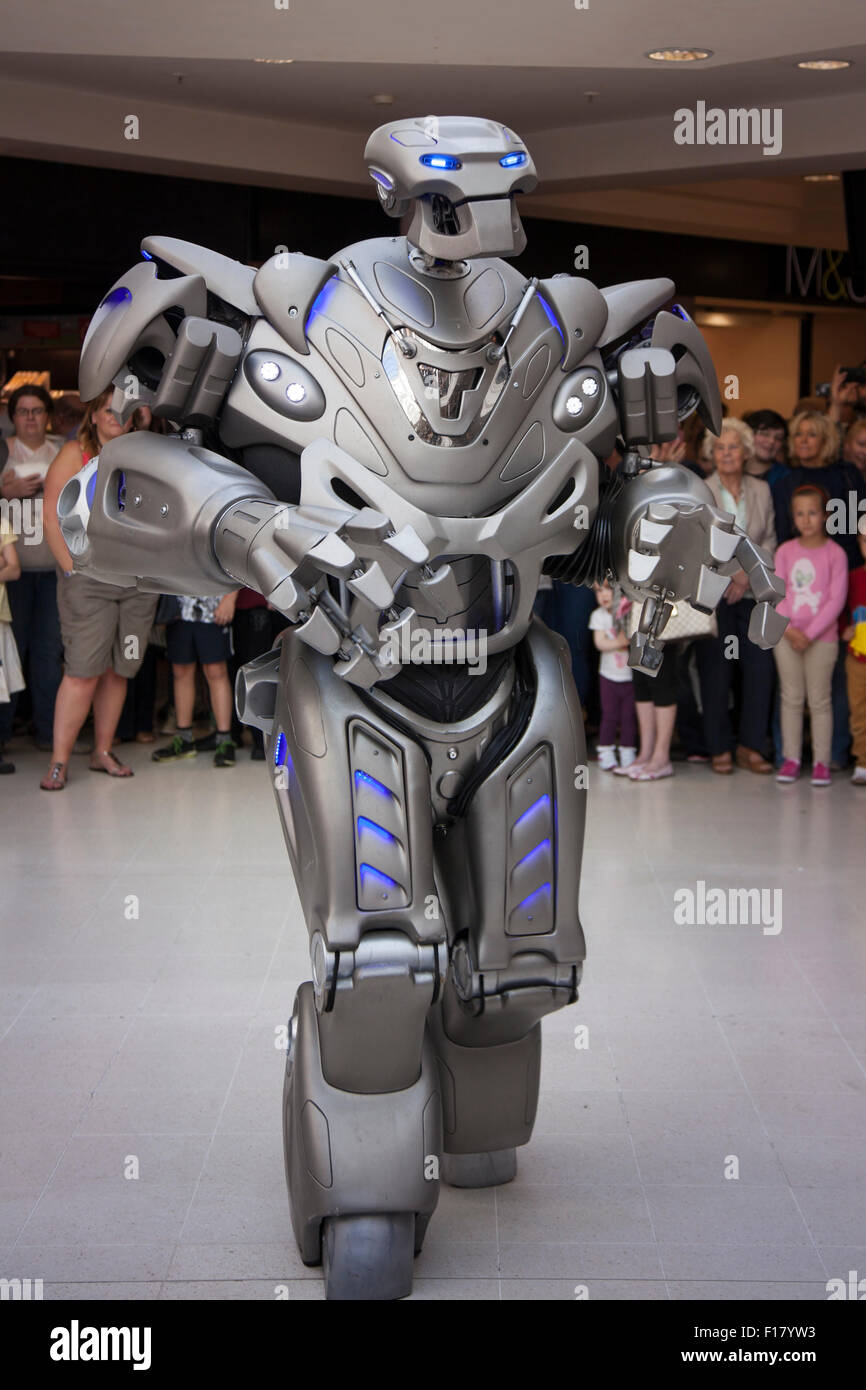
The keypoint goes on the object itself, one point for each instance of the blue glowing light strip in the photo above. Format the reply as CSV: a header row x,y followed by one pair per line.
x,y
545,800
321,299
511,161
527,902
364,823
544,845
550,314
364,779
367,871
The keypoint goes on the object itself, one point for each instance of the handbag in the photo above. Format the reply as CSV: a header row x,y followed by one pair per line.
x,y
684,624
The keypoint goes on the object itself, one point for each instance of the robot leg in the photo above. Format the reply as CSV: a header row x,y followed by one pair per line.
x,y
512,868
362,1113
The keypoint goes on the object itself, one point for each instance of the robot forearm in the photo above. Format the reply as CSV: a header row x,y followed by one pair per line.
x,y
143,513
167,515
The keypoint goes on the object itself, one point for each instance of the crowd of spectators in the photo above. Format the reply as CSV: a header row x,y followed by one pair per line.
x,y
798,488
86,656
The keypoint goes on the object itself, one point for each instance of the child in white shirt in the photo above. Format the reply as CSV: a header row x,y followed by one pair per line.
x,y
618,714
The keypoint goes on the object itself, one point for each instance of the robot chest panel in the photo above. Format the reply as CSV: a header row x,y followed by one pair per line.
x,y
457,432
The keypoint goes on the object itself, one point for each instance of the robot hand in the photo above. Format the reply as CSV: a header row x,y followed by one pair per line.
x,y
290,553
687,548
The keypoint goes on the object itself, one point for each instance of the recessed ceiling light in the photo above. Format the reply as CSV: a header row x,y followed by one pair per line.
x,y
273,60
821,178
679,55
824,64
382,99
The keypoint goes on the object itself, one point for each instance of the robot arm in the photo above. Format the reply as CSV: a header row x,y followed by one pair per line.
x,y
657,530
166,515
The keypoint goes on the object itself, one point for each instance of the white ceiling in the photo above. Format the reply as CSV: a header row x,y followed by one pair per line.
x,y
72,70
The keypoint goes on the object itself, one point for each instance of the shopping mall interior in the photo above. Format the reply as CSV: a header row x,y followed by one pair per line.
x,y
701,1111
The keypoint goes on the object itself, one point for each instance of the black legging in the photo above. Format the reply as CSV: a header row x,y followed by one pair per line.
x,y
660,690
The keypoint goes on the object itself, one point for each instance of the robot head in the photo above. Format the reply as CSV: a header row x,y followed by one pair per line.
x,y
454,178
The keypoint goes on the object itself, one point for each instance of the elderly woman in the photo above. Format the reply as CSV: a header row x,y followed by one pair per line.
x,y
750,500
33,598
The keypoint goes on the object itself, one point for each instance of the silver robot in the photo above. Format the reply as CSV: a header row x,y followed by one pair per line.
x,y
392,446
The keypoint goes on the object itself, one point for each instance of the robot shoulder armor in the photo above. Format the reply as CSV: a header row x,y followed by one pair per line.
x,y
581,311
285,289
131,316
230,280
631,302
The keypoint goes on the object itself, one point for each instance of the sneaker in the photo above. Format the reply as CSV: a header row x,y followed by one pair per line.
x,y
858,777
627,757
789,771
606,755
207,743
178,748
821,775
258,756
225,754
5,766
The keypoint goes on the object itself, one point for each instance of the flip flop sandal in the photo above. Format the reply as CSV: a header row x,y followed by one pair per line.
x,y
109,772
646,776
56,779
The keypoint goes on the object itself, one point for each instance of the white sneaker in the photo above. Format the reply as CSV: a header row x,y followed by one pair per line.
x,y
858,777
606,754
627,756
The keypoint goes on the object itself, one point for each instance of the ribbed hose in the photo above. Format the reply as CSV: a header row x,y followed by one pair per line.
x,y
591,562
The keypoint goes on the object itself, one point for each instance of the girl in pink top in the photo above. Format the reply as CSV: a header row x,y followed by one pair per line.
x,y
815,571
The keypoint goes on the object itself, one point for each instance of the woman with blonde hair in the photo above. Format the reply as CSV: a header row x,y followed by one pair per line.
x,y
749,499
105,627
814,446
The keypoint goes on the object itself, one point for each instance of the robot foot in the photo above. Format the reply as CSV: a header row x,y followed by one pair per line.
x,y
479,1170
368,1257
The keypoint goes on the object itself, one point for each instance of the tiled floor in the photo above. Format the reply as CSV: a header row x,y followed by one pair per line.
x,y
151,945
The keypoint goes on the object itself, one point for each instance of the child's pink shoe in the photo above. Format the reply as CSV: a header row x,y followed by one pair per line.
x,y
821,775
789,771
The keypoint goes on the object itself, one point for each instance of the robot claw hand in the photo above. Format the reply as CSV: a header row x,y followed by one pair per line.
x,y
292,553
689,550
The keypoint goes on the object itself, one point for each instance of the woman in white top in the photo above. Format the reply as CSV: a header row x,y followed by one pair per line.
x,y
750,501
33,597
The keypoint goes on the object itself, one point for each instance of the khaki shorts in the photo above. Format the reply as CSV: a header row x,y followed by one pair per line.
x,y
103,626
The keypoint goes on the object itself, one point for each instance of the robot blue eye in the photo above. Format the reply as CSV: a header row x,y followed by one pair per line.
x,y
295,392
382,179
147,256
512,161
269,371
440,161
